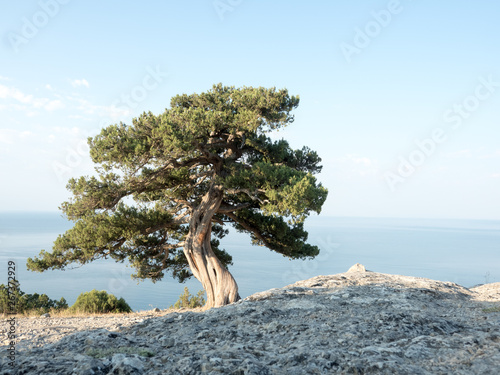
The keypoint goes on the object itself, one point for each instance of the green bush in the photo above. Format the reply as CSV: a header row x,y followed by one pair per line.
x,y
27,303
96,302
188,301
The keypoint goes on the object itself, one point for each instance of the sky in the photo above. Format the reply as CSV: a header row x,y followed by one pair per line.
x,y
399,98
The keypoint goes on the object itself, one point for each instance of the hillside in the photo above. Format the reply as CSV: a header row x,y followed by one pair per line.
x,y
357,322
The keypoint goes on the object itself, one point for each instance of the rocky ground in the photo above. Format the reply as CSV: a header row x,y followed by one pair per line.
x,y
352,323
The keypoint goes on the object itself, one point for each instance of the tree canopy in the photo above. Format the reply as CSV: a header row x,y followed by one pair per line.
x,y
167,186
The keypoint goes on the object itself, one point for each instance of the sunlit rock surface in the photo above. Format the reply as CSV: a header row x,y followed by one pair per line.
x,y
358,322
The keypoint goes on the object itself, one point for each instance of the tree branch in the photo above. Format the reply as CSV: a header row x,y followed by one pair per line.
x,y
225,208
251,194
248,227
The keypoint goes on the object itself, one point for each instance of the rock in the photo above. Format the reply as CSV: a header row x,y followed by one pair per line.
x,y
167,342
357,268
156,310
46,315
126,365
89,366
358,322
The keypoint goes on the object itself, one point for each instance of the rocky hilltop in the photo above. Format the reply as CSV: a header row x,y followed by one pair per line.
x,y
358,322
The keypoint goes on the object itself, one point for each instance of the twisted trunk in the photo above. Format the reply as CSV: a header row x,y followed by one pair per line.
x,y
219,284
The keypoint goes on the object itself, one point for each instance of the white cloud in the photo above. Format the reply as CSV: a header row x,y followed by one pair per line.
x,y
77,117
495,154
6,136
79,108
25,134
477,153
459,154
79,82
53,105
13,106
15,94
350,158
495,175
68,131
2,78
112,112
356,165
11,136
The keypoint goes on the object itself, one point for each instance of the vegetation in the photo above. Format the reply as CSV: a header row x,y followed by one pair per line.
x,y
93,302
188,301
491,309
27,303
168,185
97,302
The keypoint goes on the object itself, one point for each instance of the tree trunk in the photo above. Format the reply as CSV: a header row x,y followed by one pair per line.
x,y
219,284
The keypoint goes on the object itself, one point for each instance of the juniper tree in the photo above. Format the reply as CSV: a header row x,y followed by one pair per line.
x,y
167,186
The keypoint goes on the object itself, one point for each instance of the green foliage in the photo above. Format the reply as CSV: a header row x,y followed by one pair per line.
x,y
188,301
154,173
97,302
27,303
491,309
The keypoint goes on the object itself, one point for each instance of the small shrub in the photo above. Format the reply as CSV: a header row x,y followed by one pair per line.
x,y
188,301
96,302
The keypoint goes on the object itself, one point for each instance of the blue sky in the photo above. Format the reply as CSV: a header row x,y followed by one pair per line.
x,y
399,98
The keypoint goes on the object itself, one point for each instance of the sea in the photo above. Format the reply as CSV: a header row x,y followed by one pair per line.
x,y
466,252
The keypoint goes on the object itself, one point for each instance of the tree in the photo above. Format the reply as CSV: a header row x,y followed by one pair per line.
x,y
167,186
14,300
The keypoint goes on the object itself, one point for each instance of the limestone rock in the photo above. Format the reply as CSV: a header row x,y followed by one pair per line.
x,y
357,268
356,322
126,365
